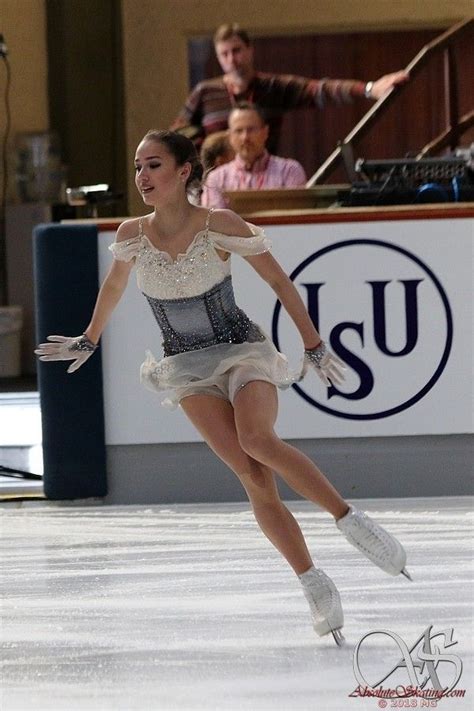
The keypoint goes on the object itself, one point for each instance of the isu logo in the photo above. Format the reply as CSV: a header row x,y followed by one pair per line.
x,y
390,322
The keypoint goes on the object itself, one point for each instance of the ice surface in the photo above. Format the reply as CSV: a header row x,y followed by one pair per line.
x,y
188,607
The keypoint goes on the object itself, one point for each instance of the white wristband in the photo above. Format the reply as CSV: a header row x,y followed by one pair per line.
x,y
368,90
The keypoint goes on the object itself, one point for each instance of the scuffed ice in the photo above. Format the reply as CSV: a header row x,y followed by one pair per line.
x,y
162,608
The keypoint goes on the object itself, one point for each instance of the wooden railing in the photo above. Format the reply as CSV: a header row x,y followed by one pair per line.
x,y
455,126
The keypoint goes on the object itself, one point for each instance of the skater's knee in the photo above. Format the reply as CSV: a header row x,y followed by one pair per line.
x,y
257,478
259,483
257,444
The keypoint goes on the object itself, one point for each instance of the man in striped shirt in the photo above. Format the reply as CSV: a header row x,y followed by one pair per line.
x,y
253,168
208,106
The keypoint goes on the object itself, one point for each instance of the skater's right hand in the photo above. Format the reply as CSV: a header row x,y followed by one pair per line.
x,y
76,348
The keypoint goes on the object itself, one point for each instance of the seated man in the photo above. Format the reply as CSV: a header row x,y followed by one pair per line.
x,y
253,168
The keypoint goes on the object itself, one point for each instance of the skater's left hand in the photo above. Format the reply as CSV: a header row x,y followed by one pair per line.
x,y
328,367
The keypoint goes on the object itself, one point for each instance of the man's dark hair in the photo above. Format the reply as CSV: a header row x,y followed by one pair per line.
x,y
248,106
214,146
226,32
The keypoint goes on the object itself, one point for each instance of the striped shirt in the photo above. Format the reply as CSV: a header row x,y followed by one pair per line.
x,y
266,173
209,104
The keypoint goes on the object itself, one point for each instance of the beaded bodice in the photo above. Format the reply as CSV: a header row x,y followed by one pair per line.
x,y
201,321
191,273
195,271
191,296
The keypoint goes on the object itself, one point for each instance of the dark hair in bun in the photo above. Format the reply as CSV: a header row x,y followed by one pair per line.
x,y
183,151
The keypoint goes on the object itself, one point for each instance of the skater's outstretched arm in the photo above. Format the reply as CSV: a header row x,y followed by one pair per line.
x,y
113,285
327,366
80,348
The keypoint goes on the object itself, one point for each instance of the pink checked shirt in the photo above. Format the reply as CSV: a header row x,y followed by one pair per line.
x,y
267,172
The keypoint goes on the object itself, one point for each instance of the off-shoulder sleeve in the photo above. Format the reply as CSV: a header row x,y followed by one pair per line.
x,y
245,246
125,251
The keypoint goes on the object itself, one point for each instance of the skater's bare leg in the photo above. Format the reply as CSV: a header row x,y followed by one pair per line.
x,y
214,419
255,412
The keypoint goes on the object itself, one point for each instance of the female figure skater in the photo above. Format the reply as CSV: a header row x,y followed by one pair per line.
x,y
218,365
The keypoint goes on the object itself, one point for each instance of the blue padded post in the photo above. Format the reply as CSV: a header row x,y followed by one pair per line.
x,y
72,406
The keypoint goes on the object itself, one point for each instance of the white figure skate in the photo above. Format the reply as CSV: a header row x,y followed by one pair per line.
x,y
325,604
373,541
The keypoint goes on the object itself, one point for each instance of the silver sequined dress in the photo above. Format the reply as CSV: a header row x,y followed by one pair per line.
x,y
205,335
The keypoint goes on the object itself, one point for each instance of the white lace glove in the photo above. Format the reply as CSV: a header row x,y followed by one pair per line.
x,y
77,348
328,367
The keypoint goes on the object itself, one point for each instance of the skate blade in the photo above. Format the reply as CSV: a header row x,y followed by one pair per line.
x,y
406,574
324,629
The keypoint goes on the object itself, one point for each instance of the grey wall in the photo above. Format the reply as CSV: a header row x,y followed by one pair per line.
x,y
370,467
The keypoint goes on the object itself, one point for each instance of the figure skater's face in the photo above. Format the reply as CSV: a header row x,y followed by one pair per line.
x,y
157,175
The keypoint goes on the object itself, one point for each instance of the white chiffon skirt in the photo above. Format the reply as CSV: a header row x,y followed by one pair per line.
x,y
188,372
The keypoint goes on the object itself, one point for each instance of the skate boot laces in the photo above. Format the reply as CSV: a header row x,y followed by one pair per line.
x,y
372,538
325,604
373,541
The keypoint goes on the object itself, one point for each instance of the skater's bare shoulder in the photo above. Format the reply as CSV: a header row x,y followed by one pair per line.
x,y
128,229
228,222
